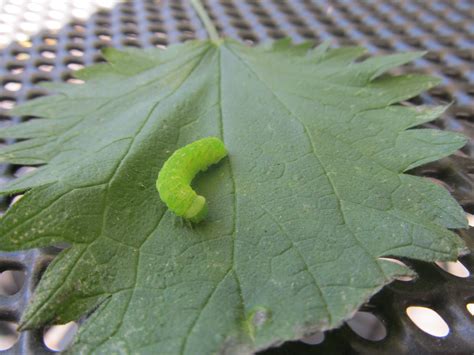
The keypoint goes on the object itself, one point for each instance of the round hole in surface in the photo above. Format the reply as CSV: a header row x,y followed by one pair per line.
x,y
77,26
276,34
470,219
241,25
428,321
11,281
46,67
73,65
129,22
413,41
268,23
22,56
326,20
154,19
15,68
99,58
187,37
131,43
11,85
441,93
181,17
400,30
314,339
77,52
72,80
103,13
24,170
8,335
158,30
130,33
48,54
464,54
382,43
248,36
36,79
59,337
150,7
433,57
297,22
185,27
367,326
104,37
260,12
126,11
157,41
7,103
101,45
470,308
464,113
447,41
455,268
76,38
417,100
50,41
453,73
306,33
338,32
470,90
15,199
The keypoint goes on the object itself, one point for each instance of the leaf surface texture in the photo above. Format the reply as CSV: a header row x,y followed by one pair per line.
x,y
312,195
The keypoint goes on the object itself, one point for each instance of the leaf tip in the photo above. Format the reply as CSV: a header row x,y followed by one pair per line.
x,y
459,139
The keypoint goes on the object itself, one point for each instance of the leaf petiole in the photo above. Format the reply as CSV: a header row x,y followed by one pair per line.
x,y
206,20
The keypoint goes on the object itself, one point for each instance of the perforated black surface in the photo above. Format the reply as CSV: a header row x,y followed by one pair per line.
x,y
444,28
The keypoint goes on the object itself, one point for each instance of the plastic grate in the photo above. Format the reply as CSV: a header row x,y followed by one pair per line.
x,y
44,40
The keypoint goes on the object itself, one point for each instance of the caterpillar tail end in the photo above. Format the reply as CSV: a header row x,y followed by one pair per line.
x,y
197,211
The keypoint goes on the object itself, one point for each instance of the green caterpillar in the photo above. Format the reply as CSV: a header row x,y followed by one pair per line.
x,y
174,179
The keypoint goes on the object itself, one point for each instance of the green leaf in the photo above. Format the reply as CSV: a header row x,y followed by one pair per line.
x,y
312,195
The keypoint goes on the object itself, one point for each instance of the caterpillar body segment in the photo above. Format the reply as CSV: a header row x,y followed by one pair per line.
x,y
175,177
